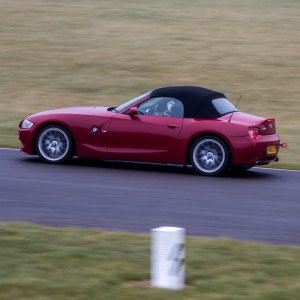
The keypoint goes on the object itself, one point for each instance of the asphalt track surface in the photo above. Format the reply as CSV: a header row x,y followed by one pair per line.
x,y
260,205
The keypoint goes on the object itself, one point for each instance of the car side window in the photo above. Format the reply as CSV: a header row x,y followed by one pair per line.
x,y
161,106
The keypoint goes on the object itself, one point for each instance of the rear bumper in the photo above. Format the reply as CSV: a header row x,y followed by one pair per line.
x,y
254,151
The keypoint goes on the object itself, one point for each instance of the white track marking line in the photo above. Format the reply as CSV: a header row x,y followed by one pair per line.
x,y
274,169
13,149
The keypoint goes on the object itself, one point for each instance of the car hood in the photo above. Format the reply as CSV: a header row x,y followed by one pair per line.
x,y
84,110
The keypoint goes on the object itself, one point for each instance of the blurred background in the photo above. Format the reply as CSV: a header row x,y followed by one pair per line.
x,y
104,52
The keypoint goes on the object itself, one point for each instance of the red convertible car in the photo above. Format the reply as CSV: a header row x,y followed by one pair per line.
x,y
170,125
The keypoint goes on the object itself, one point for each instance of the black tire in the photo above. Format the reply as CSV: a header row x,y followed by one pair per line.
x,y
209,155
54,144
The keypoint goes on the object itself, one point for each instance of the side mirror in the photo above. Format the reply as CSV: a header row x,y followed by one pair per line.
x,y
133,111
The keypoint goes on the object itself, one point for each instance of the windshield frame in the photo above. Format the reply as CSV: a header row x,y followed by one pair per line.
x,y
126,105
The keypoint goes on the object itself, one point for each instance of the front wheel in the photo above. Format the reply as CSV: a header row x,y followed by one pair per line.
x,y
54,144
209,155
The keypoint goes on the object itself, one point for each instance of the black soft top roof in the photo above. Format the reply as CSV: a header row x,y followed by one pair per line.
x,y
197,101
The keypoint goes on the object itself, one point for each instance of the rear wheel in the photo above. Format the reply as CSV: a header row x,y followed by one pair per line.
x,y
54,144
209,155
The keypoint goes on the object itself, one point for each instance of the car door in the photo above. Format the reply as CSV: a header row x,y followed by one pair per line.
x,y
150,135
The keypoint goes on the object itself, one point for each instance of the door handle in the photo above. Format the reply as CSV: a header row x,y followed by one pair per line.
x,y
173,126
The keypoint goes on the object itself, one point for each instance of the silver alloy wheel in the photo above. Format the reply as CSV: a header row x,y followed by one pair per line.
x,y
53,144
209,155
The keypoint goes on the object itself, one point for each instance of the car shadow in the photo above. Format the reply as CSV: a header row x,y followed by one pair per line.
x,y
135,166
155,167
254,173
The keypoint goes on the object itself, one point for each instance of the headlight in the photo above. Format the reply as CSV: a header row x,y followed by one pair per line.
x,y
26,124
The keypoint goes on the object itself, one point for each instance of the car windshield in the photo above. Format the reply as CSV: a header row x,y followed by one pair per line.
x,y
223,106
130,102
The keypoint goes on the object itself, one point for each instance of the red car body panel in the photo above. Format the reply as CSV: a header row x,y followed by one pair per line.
x,y
144,138
121,136
79,121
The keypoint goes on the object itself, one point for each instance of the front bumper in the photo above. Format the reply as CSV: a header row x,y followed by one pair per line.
x,y
26,137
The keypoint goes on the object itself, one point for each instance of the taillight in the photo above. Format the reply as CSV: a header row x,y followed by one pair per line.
x,y
254,132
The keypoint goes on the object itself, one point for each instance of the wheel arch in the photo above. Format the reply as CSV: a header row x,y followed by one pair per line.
x,y
74,150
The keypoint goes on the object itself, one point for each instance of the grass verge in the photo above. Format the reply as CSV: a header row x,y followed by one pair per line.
x,y
69,53
50,263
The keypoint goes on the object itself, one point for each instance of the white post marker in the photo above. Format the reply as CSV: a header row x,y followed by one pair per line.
x,y
168,257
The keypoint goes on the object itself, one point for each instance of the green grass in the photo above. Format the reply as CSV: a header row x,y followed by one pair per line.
x,y
49,263
67,53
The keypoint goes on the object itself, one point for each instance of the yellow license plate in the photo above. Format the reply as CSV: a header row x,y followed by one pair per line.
x,y
271,150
